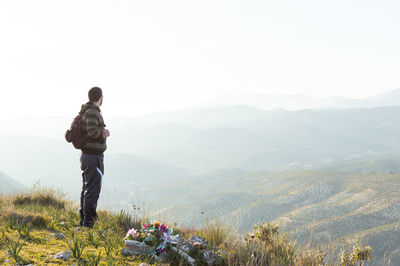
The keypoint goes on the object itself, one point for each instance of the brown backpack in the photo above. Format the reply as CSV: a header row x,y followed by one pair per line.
x,y
76,134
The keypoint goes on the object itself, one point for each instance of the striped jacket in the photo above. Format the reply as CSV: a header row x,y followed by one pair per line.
x,y
94,125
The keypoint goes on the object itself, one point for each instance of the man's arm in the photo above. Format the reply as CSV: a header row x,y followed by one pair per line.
x,y
92,126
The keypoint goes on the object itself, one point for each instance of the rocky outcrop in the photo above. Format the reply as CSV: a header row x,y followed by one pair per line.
x,y
180,246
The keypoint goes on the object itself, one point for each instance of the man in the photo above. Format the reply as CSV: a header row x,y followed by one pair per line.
x,y
92,156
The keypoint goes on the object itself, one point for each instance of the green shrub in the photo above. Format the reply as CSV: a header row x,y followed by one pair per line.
x,y
357,255
265,231
14,248
76,246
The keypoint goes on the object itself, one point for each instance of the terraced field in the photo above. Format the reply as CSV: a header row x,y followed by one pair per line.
x,y
316,207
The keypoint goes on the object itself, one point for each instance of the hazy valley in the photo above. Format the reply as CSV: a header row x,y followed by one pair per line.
x,y
323,174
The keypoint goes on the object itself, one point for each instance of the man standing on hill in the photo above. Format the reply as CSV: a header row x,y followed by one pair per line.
x,y
92,156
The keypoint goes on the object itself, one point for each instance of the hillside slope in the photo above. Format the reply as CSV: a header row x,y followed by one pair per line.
x,y
8,184
39,227
327,206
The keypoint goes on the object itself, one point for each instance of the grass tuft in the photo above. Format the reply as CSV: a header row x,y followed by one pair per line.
x,y
76,246
14,248
44,197
215,233
12,219
94,260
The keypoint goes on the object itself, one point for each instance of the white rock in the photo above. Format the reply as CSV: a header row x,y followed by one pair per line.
x,y
136,248
183,254
66,255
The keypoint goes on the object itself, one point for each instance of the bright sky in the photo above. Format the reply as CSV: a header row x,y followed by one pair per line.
x,y
152,55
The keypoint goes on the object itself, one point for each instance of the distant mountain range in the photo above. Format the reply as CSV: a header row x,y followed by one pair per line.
x,y
247,106
301,101
270,101
319,170
206,139
9,185
390,98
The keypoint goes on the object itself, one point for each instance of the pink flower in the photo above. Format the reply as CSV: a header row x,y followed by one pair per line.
x,y
163,228
132,232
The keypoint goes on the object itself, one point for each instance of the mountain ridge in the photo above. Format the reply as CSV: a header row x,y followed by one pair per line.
x,y
9,185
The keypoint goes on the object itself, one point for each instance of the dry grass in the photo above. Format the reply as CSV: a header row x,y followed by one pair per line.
x,y
44,197
48,211
215,233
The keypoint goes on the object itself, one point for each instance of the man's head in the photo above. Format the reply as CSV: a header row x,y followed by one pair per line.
x,y
96,95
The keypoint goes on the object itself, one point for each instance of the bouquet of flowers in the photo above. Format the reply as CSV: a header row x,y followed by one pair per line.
x,y
154,234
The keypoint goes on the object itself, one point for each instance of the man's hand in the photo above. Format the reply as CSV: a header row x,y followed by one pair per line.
x,y
106,133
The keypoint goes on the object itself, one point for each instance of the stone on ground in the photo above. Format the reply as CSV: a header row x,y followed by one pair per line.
x,y
58,236
133,248
66,255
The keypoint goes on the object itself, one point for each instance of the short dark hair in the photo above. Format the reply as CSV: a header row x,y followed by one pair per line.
x,y
94,94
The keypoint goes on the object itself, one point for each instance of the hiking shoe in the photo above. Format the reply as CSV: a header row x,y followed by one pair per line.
x,y
88,223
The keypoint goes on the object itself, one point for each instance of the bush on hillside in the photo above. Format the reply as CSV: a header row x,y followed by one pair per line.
x,y
13,219
45,197
358,254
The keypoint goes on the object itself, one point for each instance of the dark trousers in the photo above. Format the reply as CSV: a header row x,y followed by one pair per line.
x,y
92,167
